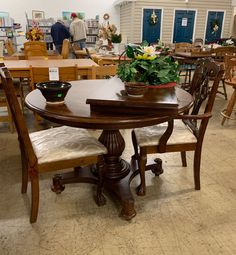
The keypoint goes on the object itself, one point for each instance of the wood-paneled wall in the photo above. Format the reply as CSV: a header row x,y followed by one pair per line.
x,y
131,14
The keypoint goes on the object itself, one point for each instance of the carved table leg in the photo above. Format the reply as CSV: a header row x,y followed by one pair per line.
x,y
118,175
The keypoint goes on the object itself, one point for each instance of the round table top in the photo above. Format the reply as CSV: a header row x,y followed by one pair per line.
x,y
75,112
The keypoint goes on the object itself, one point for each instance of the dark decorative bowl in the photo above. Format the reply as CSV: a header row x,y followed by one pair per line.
x,y
54,91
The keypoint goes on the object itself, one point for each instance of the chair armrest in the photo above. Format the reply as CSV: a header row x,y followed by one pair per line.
x,y
195,117
164,138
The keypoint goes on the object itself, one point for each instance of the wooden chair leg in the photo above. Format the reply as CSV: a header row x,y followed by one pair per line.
x,y
10,120
24,166
135,145
224,89
229,108
183,158
34,196
141,189
22,97
196,168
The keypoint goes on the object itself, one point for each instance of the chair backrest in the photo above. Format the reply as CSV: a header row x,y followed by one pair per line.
x,y
207,70
17,115
104,62
9,46
1,49
88,53
45,57
11,57
222,51
65,48
230,67
198,42
41,74
183,47
35,48
102,72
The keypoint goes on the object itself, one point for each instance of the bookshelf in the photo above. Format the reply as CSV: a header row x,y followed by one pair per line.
x,y
8,29
93,28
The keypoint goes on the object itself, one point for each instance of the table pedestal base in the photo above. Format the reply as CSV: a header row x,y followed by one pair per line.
x,y
121,189
117,177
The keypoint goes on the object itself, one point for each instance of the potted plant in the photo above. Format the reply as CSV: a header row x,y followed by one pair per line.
x,y
148,66
106,31
116,40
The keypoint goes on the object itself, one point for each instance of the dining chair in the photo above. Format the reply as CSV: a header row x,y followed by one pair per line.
x,y
88,53
230,80
186,65
220,54
52,149
35,48
9,47
189,127
41,74
18,82
65,48
6,113
103,62
183,47
102,72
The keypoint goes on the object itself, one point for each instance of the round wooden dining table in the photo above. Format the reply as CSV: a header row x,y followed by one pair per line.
x,y
77,113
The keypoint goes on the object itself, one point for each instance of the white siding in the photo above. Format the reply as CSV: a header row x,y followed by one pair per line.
x,y
131,16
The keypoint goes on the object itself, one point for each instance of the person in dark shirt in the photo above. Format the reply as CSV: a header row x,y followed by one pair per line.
x,y
59,32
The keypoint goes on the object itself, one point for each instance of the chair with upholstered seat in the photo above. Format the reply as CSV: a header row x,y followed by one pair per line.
x,y
35,48
52,149
189,128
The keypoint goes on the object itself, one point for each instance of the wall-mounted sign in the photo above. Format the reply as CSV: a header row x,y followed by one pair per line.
x,y
184,22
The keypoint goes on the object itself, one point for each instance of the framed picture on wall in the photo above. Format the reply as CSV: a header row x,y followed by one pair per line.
x,y
66,15
37,14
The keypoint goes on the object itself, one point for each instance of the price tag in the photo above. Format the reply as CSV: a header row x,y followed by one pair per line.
x,y
53,74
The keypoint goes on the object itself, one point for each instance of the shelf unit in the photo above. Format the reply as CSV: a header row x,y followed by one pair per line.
x,y
93,28
7,30
45,25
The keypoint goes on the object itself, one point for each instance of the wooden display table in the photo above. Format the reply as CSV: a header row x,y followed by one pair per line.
x,y
20,68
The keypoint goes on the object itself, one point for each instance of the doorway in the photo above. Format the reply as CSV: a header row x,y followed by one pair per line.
x,y
214,26
184,26
152,25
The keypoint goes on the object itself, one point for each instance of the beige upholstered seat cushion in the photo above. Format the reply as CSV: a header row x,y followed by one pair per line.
x,y
149,136
64,143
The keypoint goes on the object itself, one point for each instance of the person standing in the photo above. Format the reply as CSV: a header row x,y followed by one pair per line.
x,y
59,32
78,30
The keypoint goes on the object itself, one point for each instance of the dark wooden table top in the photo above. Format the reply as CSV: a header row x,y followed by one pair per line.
x,y
75,111
195,55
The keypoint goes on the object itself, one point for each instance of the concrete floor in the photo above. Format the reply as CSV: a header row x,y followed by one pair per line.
x,y
172,219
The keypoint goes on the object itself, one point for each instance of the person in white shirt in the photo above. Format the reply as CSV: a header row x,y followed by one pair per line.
x,y
78,31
